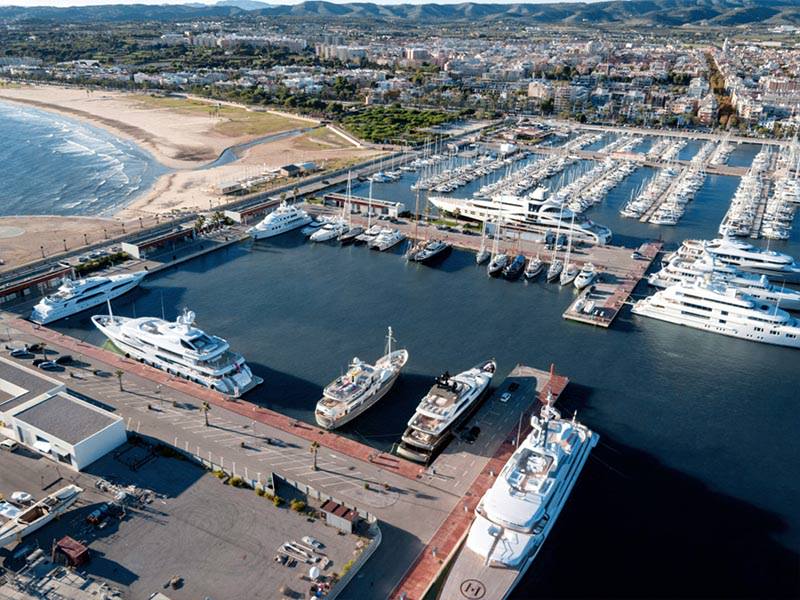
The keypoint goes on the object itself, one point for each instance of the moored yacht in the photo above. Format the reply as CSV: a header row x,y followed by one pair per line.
x,y
330,230
775,265
568,274
554,270
586,276
535,266
428,250
451,400
38,515
387,238
75,295
284,218
535,212
722,308
181,349
515,515
514,269
758,286
362,386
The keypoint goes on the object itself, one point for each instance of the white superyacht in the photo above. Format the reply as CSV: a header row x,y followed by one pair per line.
x,y
720,307
75,295
775,265
758,286
448,403
360,387
284,218
536,212
515,515
181,349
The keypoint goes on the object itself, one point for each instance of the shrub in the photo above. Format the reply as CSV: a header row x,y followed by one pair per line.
x,y
347,566
236,481
260,491
297,505
219,474
277,500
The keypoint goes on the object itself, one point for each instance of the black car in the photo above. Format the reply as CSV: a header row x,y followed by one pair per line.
x,y
64,359
472,434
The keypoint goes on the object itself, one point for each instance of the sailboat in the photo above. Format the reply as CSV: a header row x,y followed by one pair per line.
x,y
570,270
499,259
483,254
372,231
349,236
535,266
554,270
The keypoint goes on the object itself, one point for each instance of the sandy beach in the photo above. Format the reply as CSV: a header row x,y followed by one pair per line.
x,y
182,134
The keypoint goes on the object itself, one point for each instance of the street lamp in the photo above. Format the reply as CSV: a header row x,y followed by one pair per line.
x,y
105,233
65,245
85,240
42,249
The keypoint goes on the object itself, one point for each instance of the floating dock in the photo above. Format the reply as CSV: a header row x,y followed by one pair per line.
x,y
600,303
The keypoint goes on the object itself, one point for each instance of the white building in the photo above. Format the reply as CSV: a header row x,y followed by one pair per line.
x,y
40,413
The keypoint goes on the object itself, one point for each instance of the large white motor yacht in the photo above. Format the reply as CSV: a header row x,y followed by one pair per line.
x,y
330,230
181,349
775,265
449,402
722,308
515,515
535,212
757,286
284,218
362,386
75,295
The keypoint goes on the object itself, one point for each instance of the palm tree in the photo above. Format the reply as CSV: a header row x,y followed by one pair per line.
x,y
313,449
119,373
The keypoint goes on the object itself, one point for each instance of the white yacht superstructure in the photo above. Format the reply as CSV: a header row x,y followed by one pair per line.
x,y
722,308
181,349
535,212
360,387
286,217
681,270
775,265
75,295
451,399
516,514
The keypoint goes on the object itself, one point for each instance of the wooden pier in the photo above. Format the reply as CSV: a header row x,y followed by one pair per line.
x,y
600,303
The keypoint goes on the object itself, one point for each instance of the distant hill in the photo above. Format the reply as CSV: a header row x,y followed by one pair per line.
x,y
631,12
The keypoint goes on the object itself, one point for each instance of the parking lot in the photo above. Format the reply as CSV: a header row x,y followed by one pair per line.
x,y
217,541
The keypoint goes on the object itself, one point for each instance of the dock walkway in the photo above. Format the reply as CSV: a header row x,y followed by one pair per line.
x,y
599,304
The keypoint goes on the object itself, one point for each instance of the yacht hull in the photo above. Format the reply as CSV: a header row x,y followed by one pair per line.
x,y
330,424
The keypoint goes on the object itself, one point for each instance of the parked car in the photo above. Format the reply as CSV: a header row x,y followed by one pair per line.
x,y
20,352
49,365
472,434
9,445
64,359
313,542
98,515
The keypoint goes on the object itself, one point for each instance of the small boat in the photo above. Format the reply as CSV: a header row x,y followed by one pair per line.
x,y
497,264
349,236
568,274
535,266
38,515
587,275
554,270
515,268
388,238
331,230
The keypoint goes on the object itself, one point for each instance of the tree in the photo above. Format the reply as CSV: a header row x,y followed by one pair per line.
x,y
313,449
119,373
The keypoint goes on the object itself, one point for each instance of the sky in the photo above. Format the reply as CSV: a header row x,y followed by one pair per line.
x,y
63,3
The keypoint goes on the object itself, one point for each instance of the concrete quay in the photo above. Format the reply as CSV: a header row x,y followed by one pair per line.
x,y
600,303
